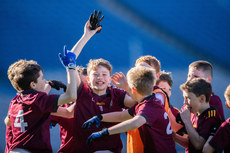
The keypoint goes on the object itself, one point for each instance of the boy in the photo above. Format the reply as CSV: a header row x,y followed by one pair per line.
x,y
154,127
82,71
196,94
203,69
29,111
165,82
134,143
221,140
96,97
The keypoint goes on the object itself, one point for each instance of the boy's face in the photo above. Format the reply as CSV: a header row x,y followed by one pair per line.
x,y
195,73
99,79
192,101
40,85
165,86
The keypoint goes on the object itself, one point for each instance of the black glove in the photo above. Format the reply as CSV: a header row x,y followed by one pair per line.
x,y
94,120
97,135
57,85
95,19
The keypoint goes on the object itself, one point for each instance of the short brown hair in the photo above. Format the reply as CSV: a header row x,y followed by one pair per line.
x,y
165,76
94,63
81,70
22,73
199,87
142,79
151,60
227,94
204,66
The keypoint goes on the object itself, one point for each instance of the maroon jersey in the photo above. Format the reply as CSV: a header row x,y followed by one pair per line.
x,y
29,117
207,121
8,138
88,105
66,132
221,139
156,133
216,103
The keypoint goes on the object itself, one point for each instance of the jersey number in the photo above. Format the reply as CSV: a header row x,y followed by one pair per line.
x,y
19,121
168,130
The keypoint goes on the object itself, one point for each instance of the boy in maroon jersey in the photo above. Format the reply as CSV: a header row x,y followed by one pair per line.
x,y
203,69
196,94
96,97
29,111
155,129
221,140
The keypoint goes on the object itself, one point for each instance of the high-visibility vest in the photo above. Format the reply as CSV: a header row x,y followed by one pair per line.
x,y
134,142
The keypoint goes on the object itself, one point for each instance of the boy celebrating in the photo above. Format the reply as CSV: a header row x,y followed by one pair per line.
x,y
154,127
29,111
196,94
221,140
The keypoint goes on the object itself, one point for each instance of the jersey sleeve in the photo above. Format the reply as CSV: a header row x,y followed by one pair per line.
x,y
221,138
47,103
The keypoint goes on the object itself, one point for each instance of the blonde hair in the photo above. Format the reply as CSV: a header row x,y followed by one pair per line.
x,y
151,60
142,79
94,63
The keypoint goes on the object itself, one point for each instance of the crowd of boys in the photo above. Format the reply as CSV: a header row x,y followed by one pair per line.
x,y
92,113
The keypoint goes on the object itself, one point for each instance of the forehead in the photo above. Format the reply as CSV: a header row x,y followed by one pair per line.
x,y
100,69
196,72
163,84
188,94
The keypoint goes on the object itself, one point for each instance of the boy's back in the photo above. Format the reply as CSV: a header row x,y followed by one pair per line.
x,y
29,116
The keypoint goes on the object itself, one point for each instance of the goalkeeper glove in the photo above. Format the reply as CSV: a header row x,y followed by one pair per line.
x,y
68,60
97,135
94,120
95,19
57,85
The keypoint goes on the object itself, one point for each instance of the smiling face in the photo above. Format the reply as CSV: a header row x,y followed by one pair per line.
x,y
99,80
191,101
165,86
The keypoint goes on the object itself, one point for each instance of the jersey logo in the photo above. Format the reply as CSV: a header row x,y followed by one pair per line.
x,y
211,113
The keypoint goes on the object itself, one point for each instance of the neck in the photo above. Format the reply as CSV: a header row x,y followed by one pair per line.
x,y
99,92
141,97
203,107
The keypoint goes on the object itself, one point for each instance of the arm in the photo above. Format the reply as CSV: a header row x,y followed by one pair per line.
x,y
181,140
67,112
7,121
207,147
194,137
108,117
127,125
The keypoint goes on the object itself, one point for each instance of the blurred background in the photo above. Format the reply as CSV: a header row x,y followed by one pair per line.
x,y
176,32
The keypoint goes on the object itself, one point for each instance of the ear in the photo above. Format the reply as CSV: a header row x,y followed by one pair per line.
x,y
133,90
202,98
209,79
32,85
157,75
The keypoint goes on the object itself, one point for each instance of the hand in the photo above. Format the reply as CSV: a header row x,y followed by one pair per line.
x,y
186,115
97,135
119,81
68,60
94,120
57,85
95,19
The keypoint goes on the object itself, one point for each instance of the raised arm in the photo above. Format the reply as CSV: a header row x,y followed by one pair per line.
x,y
68,61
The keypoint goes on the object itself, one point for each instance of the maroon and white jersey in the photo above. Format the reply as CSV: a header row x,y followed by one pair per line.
x,y
207,120
66,132
221,139
156,133
88,105
30,119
